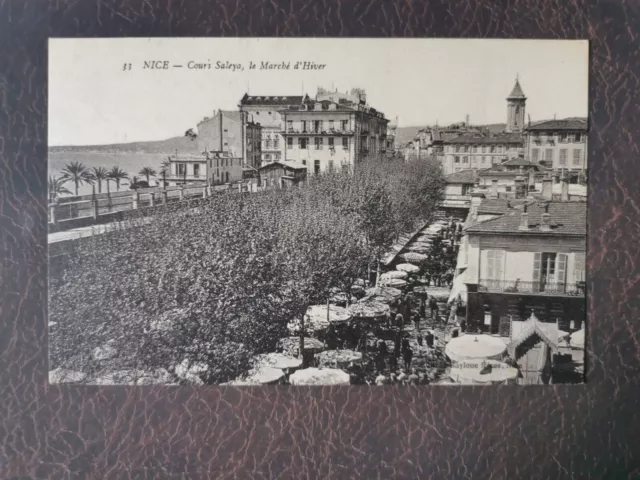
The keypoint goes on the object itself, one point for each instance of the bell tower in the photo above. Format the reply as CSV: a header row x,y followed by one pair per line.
x,y
515,109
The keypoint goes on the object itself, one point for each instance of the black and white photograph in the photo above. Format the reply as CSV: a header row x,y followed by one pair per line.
x,y
317,211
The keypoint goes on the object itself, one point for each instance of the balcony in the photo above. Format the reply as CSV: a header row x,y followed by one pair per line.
x,y
326,133
532,288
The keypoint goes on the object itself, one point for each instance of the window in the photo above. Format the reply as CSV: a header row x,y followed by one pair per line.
x,y
548,154
492,148
563,138
495,261
579,267
268,144
267,156
276,143
466,149
330,164
289,125
304,126
182,168
563,156
456,159
196,170
577,157
458,148
289,143
484,149
331,125
549,271
535,153
345,125
304,162
227,177
316,167
317,126
465,159
577,138
345,143
318,142
484,159
330,139
345,167
302,143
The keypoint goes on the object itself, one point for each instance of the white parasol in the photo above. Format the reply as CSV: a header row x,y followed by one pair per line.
x,y
469,373
320,376
369,309
413,257
394,283
277,360
394,274
407,267
291,345
475,347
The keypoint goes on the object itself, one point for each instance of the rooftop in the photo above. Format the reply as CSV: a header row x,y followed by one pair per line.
x,y
518,162
464,176
272,100
500,206
567,218
291,165
517,92
476,138
566,124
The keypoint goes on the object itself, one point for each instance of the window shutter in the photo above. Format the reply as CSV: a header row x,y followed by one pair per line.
x,y
578,270
537,259
499,262
561,270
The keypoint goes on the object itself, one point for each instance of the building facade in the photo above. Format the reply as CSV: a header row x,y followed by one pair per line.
x,y
529,259
185,169
558,144
480,151
265,110
231,132
282,174
324,134
223,167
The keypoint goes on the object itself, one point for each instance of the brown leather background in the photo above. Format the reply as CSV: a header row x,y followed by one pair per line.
x,y
576,432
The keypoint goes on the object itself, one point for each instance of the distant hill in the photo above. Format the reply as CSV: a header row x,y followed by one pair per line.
x,y
168,146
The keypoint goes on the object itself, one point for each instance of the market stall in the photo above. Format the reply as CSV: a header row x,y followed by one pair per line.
x,y
475,347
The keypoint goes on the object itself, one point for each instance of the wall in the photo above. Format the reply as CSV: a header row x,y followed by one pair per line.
x,y
453,189
555,148
220,167
232,135
174,178
478,156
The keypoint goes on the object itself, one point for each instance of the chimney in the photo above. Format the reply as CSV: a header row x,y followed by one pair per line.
x,y
547,189
519,186
476,200
524,219
564,197
545,226
494,188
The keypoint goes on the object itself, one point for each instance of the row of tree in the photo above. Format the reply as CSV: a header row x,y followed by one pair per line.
x,y
215,282
80,174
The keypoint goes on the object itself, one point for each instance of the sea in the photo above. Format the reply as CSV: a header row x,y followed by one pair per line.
x,y
129,162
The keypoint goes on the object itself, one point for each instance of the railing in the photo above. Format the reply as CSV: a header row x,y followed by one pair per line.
x,y
535,288
328,132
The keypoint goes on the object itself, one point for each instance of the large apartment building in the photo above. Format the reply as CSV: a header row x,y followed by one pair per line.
x,y
265,110
325,134
558,144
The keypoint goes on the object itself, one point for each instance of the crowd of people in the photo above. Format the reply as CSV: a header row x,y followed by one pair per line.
x,y
396,365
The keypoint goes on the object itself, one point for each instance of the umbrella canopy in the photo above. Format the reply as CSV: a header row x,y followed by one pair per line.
x,y
576,339
318,315
134,377
469,373
394,274
389,294
419,248
320,376
394,283
277,360
61,375
259,376
475,347
369,309
413,257
407,267
291,345
338,358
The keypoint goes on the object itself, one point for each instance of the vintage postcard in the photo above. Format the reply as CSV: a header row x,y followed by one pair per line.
x,y
258,211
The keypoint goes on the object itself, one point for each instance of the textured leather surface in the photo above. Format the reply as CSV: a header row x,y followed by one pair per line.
x,y
587,431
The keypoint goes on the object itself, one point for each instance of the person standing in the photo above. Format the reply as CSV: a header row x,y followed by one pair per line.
x,y
422,310
416,321
433,306
407,355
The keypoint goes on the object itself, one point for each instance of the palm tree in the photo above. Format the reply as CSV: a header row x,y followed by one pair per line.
x,y
116,174
57,188
99,174
165,169
78,173
148,172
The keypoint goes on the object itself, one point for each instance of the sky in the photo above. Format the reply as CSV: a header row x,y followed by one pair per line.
x,y
94,100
